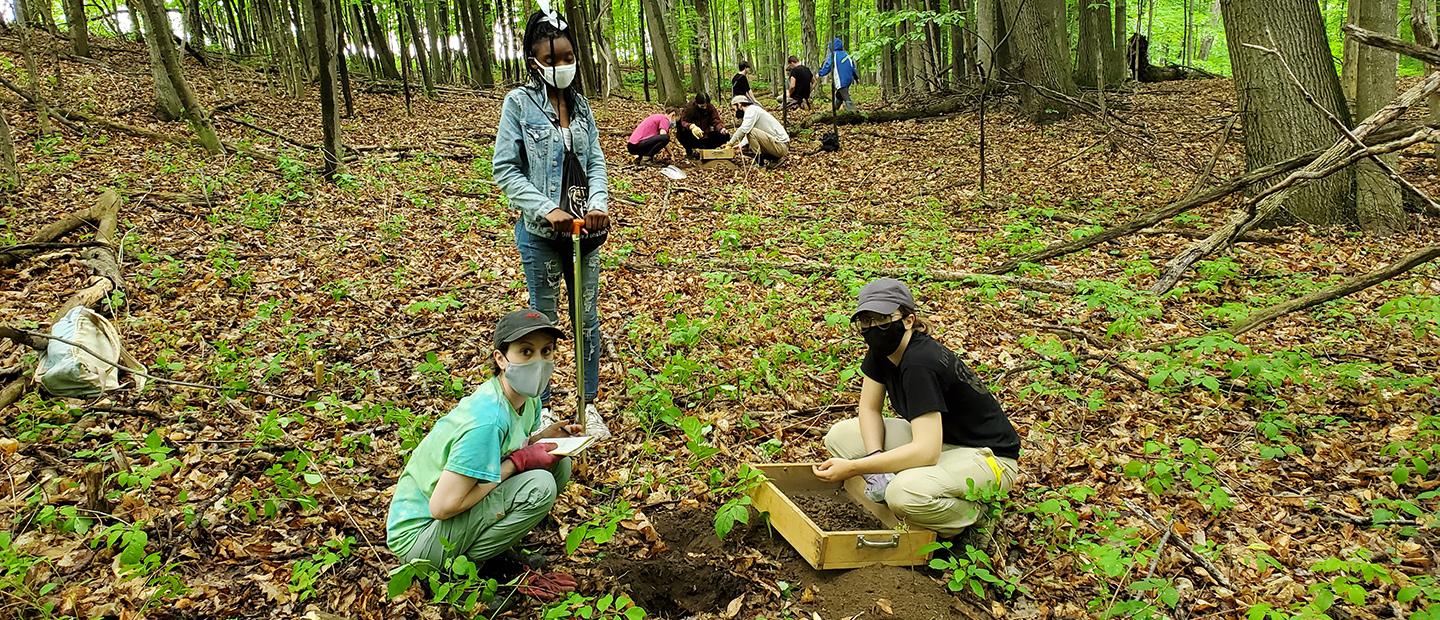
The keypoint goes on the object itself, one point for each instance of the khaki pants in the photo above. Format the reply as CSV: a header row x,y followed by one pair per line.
x,y
764,143
930,497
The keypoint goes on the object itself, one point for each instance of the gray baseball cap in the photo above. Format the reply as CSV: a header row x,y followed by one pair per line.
x,y
884,296
517,324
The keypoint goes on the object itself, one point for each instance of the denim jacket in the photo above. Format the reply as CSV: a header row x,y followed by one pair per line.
x,y
530,155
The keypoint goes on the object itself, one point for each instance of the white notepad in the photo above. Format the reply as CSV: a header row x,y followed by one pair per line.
x,y
569,446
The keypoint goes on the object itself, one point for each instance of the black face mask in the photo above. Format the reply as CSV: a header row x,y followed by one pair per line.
x,y
884,339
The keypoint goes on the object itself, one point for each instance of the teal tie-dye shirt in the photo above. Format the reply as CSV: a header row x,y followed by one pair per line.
x,y
471,441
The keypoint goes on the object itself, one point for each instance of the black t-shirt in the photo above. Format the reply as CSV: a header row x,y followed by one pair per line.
x,y
739,85
932,378
803,81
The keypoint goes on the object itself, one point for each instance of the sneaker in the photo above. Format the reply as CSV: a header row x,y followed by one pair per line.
x,y
547,418
594,424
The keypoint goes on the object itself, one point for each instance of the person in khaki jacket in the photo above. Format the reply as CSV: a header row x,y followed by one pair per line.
x,y
951,435
758,129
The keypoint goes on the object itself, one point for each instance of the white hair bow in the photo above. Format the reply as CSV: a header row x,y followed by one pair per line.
x,y
551,15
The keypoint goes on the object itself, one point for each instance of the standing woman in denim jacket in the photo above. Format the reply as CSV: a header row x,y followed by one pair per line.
x,y
540,124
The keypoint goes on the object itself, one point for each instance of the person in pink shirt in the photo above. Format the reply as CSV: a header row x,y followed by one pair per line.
x,y
651,136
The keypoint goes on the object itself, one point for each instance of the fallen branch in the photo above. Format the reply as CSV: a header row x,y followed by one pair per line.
x,y
1147,220
1359,283
1210,570
48,234
272,133
25,247
1266,204
74,115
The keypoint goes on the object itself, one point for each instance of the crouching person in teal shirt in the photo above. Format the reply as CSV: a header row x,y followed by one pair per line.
x,y
482,478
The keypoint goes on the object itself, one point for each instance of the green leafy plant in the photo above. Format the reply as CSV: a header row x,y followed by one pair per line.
x,y
606,607
735,499
601,528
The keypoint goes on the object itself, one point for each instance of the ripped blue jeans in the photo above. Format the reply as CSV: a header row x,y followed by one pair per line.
x,y
547,264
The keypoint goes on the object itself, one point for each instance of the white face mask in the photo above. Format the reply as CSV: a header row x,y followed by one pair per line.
x,y
559,76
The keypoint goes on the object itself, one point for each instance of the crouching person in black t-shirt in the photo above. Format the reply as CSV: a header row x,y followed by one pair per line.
x,y
950,436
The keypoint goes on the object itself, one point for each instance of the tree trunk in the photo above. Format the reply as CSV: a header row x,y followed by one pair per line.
x,y
584,58
936,44
325,46
420,55
808,36
194,23
703,43
988,35
79,26
167,99
1351,50
400,29
1207,44
1087,49
1119,72
959,60
9,170
483,41
1278,122
435,36
1422,24
609,44
1042,56
1378,202
337,25
667,73
379,41
194,113
1112,52
889,73
42,111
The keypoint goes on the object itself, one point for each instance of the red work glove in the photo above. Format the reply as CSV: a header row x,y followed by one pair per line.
x,y
534,456
547,586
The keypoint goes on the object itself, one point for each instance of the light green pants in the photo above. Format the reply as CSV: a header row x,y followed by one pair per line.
x,y
930,497
495,524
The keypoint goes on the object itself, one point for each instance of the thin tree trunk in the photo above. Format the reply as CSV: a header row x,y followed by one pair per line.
x,y
420,55
987,36
703,43
958,58
9,170
194,113
79,26
435,37
194,23
1378,202
326,47
808,36
378,41
42,111
584,54
1351,49
167,99
400,29
642,52
337,22
1423,26
667,74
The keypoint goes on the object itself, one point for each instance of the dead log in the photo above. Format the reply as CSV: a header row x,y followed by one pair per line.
x,y
1187,203
943,107
9,170
1358,283
1263,206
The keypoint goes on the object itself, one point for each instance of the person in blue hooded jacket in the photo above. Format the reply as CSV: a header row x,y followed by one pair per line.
x,y
844,73
549,164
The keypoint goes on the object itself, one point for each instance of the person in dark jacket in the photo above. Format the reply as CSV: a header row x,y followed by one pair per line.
x,y
845,73
701,126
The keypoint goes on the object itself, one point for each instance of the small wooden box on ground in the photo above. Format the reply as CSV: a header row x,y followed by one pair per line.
x,y
897,546
721,153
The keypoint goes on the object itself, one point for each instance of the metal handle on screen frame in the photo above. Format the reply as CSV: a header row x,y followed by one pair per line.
x,y
894,542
